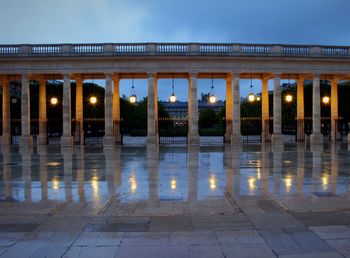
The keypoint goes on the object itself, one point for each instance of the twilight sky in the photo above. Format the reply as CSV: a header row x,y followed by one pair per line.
x,y
230,21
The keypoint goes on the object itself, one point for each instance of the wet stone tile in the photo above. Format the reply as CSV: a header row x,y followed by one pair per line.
x,y
28,227
171,223
118,227
332,232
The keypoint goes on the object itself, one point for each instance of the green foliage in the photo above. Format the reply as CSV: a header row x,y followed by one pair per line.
x,y
208,118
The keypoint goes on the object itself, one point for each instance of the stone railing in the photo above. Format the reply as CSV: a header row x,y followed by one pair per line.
x,y
195,49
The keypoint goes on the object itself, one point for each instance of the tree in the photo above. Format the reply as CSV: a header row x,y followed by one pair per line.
x,y
208,118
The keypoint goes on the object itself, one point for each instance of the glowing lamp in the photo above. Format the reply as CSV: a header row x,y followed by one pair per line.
x,y
325,100
93,100
172,98
289,98
251,97
212,99
132,99
53,101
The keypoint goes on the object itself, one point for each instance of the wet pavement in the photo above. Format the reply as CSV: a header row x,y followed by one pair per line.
x,y
175,201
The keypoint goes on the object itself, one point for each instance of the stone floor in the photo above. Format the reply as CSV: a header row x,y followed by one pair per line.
x,y
175,201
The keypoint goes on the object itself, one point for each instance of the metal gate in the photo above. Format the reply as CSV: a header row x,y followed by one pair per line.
x,y
172,131
251,129
94,130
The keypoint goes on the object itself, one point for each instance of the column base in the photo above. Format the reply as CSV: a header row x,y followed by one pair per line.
x,y
108,141
316,139
236,139
193,140
67,141
6,139
25,141
152,140
41,140
277,139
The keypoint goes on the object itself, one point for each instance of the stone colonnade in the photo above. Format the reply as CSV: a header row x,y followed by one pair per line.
x,y
112,109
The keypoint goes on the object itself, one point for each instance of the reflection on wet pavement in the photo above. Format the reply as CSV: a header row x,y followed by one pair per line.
x,y
208,201
296,177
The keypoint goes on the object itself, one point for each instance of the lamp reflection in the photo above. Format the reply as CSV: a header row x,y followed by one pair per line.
x,y
133,183
325,181
55,184
173,184
251,183
288,182
212,182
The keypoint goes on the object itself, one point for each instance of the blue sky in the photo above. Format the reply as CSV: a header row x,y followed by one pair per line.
x,y
231,21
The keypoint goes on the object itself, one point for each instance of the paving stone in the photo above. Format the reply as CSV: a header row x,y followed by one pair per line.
x,y
170,223
341,245
248,251
308,240
154,252
193,238
281,242
332,232
146,239
240,237
313,255
221,222
17,227
9,238
206,251
322,218
93,252
118,227
99,239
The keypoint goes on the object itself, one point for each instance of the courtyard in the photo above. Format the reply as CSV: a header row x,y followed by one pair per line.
x,y
175,201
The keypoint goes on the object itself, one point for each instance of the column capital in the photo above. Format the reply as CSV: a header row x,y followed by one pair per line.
x,y
108,76
152,75
66,76
277,75
229,76
116,77
316,76
193,74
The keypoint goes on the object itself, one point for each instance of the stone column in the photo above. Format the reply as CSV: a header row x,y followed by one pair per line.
x,y
316,136
108,138
42,137
229,108
334,109
79,115
236,138
6,124
193,136
25,139
152,117
300,109
277,111
265,116
66,138
116,110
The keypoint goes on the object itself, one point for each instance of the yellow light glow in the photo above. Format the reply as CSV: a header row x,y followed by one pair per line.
x,y
94,184
325,181
55,184
172,98
132,99
212,99
251,97
173,184
133,183
212,182
288,182
325,100
258,172
258,98
251,182
93,100
289,98
53,101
